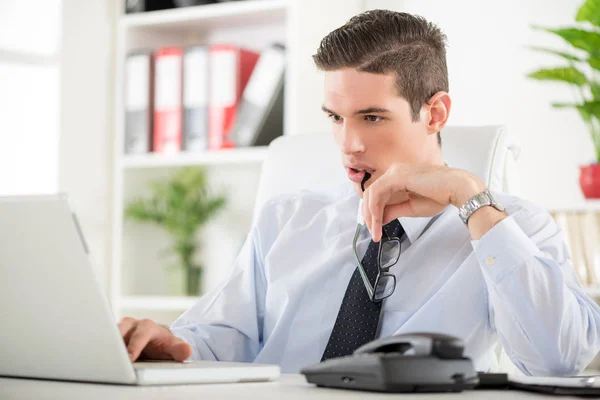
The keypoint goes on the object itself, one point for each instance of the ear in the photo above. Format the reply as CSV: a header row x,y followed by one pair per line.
x,y
437,111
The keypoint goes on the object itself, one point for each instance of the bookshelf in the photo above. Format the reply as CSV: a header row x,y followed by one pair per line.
x,y
229,156
138,278
210,16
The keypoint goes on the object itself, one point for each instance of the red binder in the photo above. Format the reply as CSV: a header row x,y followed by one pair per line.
x,y
168,100
230,70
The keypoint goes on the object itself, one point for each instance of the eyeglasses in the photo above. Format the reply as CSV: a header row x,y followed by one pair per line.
x,y
387,256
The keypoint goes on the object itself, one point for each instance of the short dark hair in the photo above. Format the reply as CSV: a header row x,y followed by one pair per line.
x,y
383,41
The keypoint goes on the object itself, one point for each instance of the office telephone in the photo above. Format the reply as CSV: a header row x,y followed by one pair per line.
x,y
416,362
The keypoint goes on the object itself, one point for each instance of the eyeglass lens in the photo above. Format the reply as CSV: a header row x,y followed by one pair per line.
x,y
385,287
390,252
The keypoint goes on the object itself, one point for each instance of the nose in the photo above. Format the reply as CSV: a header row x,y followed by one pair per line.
x,y
350,142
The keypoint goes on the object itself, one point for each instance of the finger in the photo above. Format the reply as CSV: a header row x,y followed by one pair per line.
x,y
143,333
416,206
180,350
126,327
394,211
379,194
372,196
366,214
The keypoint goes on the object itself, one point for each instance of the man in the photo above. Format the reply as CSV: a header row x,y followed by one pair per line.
x,y
295,295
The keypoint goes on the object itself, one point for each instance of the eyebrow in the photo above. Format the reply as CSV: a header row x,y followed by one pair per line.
x,y
369,110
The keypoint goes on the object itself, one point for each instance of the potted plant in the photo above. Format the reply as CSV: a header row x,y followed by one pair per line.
x,y
581,69
180,205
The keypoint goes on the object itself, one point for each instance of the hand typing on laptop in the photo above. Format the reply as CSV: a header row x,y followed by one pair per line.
x,y
147,339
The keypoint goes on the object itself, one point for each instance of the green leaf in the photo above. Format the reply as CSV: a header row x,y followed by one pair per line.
x,y
590,12
585,116
579,38
144,211
590,107
595,87
564,105
594,62
589,112
566,56
569,75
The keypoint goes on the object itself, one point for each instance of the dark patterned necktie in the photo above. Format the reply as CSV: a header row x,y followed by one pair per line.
x,y
358,318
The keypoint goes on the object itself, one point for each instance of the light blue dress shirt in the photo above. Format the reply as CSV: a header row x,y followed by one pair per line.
x,y
515,285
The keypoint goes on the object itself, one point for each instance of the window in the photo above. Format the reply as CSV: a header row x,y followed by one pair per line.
x,y
29,95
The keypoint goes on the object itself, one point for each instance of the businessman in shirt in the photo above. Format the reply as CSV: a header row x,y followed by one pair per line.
x,y
492,270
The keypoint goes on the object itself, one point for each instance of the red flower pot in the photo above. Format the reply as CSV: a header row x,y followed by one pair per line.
x,y
589,180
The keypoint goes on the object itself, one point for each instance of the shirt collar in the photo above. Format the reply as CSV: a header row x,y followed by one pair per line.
x,y
413,226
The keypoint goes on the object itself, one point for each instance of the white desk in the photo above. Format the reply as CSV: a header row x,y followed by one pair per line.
x,y
288,387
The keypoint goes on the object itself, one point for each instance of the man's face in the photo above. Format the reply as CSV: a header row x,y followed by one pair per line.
x,y
372,125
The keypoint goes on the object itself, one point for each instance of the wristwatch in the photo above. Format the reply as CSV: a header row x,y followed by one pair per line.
x,y
482,199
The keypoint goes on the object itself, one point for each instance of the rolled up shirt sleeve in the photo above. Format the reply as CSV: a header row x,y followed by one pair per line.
x,y
546,323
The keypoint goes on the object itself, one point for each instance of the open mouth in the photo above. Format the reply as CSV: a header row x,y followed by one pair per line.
x,y
357,170
358,174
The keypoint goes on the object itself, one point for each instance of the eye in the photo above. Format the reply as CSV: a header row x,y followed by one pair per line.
x,y
373,118
335,118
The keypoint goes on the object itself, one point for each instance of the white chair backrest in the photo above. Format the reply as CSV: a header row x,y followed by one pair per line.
x,y
313,161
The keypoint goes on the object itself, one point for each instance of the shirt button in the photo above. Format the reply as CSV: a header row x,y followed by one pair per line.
x,y
490,261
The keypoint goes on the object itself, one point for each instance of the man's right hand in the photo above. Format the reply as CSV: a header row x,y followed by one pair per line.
x,y
146,339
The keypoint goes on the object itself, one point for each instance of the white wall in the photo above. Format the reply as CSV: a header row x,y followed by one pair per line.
x,y
314,19
488,61
85,119
29,87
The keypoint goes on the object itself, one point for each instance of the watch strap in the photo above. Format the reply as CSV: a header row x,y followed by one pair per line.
x,y
476,202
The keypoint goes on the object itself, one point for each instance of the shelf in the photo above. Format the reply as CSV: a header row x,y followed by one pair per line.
x,y
229,156
208,16
592,291
157,303
583,206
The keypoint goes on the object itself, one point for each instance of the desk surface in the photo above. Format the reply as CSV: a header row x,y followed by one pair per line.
x,y
288,387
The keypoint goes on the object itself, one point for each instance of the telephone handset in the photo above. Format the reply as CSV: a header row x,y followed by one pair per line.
x,y
416,362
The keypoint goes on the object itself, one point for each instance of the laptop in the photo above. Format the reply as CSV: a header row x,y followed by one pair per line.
x,y
56,322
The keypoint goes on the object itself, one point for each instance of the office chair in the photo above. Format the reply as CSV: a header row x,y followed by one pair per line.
x,y
313,162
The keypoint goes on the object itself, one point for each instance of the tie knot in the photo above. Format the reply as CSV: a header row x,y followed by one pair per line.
x,y
393,229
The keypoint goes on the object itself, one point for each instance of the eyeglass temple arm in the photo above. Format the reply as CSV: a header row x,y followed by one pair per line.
x,y
362,271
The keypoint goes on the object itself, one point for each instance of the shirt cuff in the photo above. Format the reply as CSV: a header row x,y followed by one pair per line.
x,y
187,337
502,249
